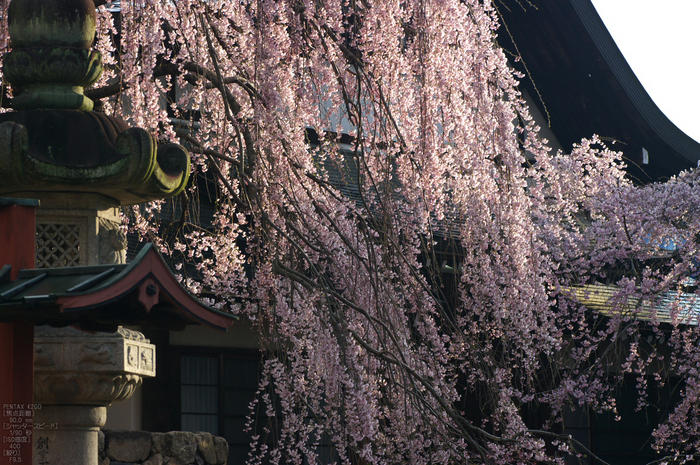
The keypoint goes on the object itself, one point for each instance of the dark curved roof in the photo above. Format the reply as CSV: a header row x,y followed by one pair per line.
x,y
101,297
579,78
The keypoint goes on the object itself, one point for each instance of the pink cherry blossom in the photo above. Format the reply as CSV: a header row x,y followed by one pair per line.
x,y
420,271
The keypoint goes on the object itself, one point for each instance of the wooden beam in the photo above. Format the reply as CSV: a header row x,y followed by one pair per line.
x,y
17,249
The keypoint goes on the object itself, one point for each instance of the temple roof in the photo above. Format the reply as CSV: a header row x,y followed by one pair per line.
x,y
582,83
102,297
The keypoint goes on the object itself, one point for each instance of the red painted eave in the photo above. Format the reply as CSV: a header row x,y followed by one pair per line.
x,y
149,280
101,297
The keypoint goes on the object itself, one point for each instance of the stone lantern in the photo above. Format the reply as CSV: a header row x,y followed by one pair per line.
x,y
82,166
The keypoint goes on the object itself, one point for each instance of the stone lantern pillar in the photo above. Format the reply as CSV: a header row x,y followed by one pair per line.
x,y
82,166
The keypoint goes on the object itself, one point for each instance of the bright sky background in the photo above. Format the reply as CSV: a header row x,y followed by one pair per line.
x,y
661,41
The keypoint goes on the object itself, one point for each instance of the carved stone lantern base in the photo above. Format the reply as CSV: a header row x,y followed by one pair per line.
x,y
76,375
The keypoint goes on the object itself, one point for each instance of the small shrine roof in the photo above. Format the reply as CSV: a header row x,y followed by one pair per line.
x,y
101,297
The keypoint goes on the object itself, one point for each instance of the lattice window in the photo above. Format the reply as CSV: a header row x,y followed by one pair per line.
x,y
57,245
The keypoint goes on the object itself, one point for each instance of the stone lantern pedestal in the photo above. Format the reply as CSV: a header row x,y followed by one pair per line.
x,y
75,379
82,165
